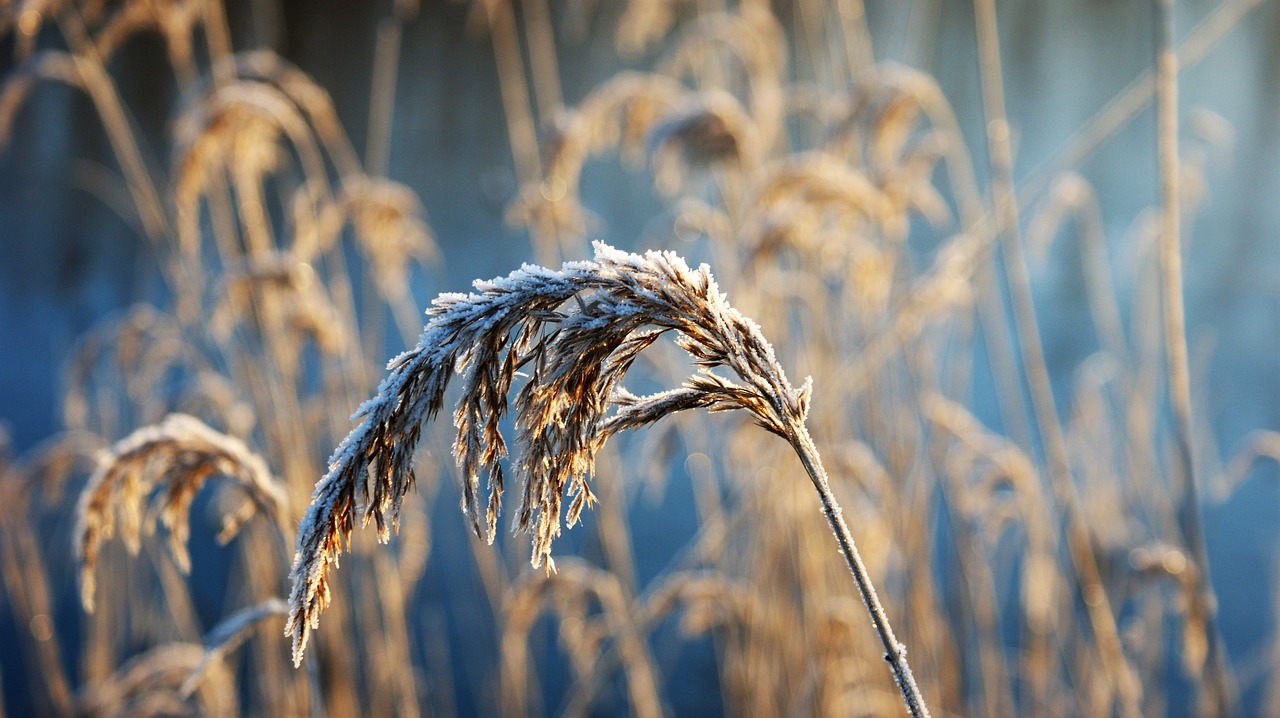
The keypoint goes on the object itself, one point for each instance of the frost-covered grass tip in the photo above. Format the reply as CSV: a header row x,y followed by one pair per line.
x,y
575,332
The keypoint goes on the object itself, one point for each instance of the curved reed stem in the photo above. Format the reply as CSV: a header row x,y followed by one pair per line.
x,y
1203,657
895,652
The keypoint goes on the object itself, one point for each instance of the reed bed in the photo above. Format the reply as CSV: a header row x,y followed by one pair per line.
x,y
1035,544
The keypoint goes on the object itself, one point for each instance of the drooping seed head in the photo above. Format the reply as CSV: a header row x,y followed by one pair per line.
x,y
575,354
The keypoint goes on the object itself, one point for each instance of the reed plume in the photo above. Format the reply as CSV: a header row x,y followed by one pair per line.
x,y
177,455
576,354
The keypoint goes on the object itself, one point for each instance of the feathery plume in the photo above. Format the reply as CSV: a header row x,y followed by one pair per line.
x,y
178,455
576,356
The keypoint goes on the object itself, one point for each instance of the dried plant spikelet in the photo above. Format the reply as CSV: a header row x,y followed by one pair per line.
x,y
1211,137
710,130
900,154
1070,192
226,125
227,636
933,296
175,457
623,111
14,91
886,102
752,36
891,130
178,22
819,179
158,363
307,309
317,221
895,85
132,18
148,684
619,113
390,423
1014,468
570,595
315,104
240,125
1212,128
391,226
1011,467
575,354
795,196
836,246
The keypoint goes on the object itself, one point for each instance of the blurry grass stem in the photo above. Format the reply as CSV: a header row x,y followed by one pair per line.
x,y
1197,650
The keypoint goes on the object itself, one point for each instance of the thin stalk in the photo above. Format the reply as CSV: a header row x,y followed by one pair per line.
x,y
809,33
521,132
218,37
315,689
27,585
895,652
1093,591
545,68
382,96
857,37
1216,696
92,77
